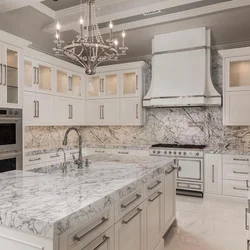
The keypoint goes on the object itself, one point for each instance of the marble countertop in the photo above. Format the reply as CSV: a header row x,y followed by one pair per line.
x,y
47,202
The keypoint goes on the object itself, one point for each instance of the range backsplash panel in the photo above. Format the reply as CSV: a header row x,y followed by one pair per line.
x,y
189,125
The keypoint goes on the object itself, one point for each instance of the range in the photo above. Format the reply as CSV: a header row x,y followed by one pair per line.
x,y
190,179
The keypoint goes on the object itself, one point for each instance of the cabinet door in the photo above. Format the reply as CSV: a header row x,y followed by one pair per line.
x,y
12,73
129,231
29,74
62,111
130,111
44,77
29,108
95,86
237,108
76,85
170,198
78,112
94,112
45,109
63,82
213,173
111,84
110,112
129,83
154,219
1,75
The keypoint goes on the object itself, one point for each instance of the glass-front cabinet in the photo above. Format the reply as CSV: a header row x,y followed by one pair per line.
x,y
129,83
76,84
103,86
10,75
238,74
38,76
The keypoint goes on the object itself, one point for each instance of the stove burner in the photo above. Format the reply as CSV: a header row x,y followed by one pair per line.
x,y
189,146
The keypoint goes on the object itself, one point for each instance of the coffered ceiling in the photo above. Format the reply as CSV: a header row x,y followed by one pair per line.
x,y
35,20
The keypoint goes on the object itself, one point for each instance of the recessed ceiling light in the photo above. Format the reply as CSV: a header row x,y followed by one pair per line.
x,y
153,12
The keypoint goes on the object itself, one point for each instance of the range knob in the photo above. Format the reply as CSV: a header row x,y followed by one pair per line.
x,y
179,153
174,153
184,153
197,154
158,152
10,112
16,112
154,152
170,152
165,152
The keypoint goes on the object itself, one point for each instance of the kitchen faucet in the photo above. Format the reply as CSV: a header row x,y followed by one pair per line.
x,y
64,167
78,161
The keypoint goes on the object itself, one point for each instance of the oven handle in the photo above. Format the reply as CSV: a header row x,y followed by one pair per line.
x,y
178,168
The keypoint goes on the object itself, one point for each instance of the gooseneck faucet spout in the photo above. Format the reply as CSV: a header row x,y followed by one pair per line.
x,y
78,161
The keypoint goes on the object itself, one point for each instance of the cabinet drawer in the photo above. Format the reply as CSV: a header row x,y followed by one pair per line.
x,y
189,186
54,157
100,151
81,237
122,152
128,203
235,172
235,188
33,160
236,159
153,185
104,241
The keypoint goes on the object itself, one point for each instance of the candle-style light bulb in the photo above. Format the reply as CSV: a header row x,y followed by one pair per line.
x,y
57,36
111,25
81,20
123,34
58,26
116,43
111,31
123,39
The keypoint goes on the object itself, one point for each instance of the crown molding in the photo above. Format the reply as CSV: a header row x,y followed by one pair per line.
x,y
229,46
14,40
8,5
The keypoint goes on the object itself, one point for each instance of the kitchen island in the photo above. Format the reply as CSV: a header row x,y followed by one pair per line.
x,y
118,202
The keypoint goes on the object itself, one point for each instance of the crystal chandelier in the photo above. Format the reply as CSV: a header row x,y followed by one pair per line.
x,y
89,49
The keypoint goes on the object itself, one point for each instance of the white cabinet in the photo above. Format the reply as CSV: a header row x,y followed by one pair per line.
x,y
236,86
38,109
129,231
154,219
102,112
237,108
131,112
11,84
170,197
130,83
213,173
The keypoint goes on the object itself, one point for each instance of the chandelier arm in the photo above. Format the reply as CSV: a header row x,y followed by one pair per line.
x,y
76,56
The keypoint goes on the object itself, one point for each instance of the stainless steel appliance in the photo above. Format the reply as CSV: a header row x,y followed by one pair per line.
x,y
190,179
10,139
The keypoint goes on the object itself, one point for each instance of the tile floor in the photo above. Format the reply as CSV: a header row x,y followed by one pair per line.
x,y
208,224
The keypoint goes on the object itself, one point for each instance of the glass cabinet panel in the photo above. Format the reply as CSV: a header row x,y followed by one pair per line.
x,y
11,76
239,74
111,84
76,85
94,86
62,82
44,77
129,83
28,74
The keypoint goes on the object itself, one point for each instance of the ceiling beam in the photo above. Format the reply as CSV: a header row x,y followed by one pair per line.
x,y
110,11
8,5
45,10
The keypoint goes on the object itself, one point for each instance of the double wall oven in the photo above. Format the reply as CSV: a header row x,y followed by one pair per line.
x,y
190,158
10,139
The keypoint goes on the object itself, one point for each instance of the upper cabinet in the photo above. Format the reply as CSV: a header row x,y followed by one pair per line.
x,y
129,83
236,86
10,76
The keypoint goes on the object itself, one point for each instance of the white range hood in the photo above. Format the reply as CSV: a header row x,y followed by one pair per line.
x,y
181,70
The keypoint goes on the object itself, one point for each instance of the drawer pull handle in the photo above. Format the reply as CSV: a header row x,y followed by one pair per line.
x,y
76,238
246,218
236,172
213,173
242,189
247,183
123,153
105,239
159,194
248,244
38,159
99,151
132,217
54,156
235,159
155,185
138,196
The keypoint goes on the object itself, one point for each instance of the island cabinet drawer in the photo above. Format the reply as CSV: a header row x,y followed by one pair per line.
x,y
122,152
79,238
35,159
235,188
151,186
128,203
235,172
100,151
54,156
105,241
236,159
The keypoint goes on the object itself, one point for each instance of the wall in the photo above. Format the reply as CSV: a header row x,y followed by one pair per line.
x,y
195,125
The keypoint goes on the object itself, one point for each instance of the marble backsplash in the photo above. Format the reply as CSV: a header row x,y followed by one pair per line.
x,y
194,125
